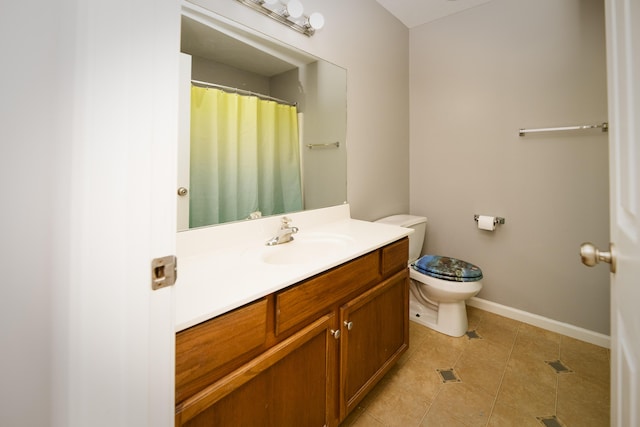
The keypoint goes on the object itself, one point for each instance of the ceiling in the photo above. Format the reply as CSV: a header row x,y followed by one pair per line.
x,y
417,12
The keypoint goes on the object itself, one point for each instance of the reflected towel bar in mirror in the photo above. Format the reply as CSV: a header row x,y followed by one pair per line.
x,y
329,145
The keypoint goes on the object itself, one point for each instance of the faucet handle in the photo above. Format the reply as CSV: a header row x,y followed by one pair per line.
x,y
285,221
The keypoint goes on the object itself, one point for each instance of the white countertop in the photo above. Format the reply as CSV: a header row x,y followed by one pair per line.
x,y
221,268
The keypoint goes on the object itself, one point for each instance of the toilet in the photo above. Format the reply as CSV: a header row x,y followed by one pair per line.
x,y
439,285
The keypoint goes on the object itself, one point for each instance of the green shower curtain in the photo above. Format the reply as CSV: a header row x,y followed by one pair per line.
x,y
244,157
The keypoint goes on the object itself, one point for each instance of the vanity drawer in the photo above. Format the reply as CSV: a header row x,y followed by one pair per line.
x,y
394,257
313,297
203,352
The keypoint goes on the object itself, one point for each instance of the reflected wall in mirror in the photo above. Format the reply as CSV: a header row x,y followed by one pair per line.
x,y
217,52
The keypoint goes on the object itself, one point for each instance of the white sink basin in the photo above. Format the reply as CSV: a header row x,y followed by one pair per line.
x,y
306,248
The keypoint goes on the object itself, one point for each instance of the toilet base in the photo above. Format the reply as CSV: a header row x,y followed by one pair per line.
x,y
449,318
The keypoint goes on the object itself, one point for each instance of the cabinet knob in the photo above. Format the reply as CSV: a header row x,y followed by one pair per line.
x,y
348,324
336,333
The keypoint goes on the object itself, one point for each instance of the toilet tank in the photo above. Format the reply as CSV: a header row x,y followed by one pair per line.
x,y
419,225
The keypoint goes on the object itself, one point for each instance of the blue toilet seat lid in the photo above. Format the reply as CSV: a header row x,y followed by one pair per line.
x,y
442,267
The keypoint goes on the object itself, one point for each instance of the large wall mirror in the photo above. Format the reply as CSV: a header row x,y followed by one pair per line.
x,y
292,138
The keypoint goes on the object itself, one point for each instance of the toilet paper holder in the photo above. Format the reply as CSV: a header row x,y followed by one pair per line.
x,y
497,220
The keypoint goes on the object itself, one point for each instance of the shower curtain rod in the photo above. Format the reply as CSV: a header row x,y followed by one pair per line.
x,y
244,92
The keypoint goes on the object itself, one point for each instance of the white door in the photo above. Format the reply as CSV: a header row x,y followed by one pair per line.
x,y
119,363
623,67
160,70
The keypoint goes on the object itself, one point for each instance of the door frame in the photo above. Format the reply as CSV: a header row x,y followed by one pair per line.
x,y
623,57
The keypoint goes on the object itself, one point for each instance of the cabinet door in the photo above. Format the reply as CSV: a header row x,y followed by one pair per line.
x,y
375,333
285,386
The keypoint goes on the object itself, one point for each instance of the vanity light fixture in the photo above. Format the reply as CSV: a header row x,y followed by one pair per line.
x,y
288,12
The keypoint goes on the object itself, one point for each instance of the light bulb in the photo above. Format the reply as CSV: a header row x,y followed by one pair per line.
x,y
316,20
295,9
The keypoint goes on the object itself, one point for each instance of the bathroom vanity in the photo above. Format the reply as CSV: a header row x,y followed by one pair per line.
x,y
306,351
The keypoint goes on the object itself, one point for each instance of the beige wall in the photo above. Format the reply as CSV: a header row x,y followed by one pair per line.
x,y
373,46
476,78
206,70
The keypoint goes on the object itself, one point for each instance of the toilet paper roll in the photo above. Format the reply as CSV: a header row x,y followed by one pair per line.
x,y
486,222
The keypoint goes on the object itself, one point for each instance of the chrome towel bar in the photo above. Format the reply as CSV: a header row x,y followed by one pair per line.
x,y
604,126
329,145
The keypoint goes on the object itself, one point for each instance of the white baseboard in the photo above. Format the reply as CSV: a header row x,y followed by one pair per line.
x,y
542,322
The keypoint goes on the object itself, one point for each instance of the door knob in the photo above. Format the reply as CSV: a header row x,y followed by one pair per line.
x,y
182,191
591,255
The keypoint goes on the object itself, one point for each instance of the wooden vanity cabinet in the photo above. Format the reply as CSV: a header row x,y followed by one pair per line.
x,y
305,355
210,350
376,334
287,385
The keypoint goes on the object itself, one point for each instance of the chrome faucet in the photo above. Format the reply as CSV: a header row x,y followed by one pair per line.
x,y
285,233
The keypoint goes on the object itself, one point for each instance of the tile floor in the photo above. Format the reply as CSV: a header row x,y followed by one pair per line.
x,y
506,377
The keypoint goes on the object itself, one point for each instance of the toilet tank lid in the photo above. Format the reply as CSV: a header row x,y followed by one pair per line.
x,y
403,220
